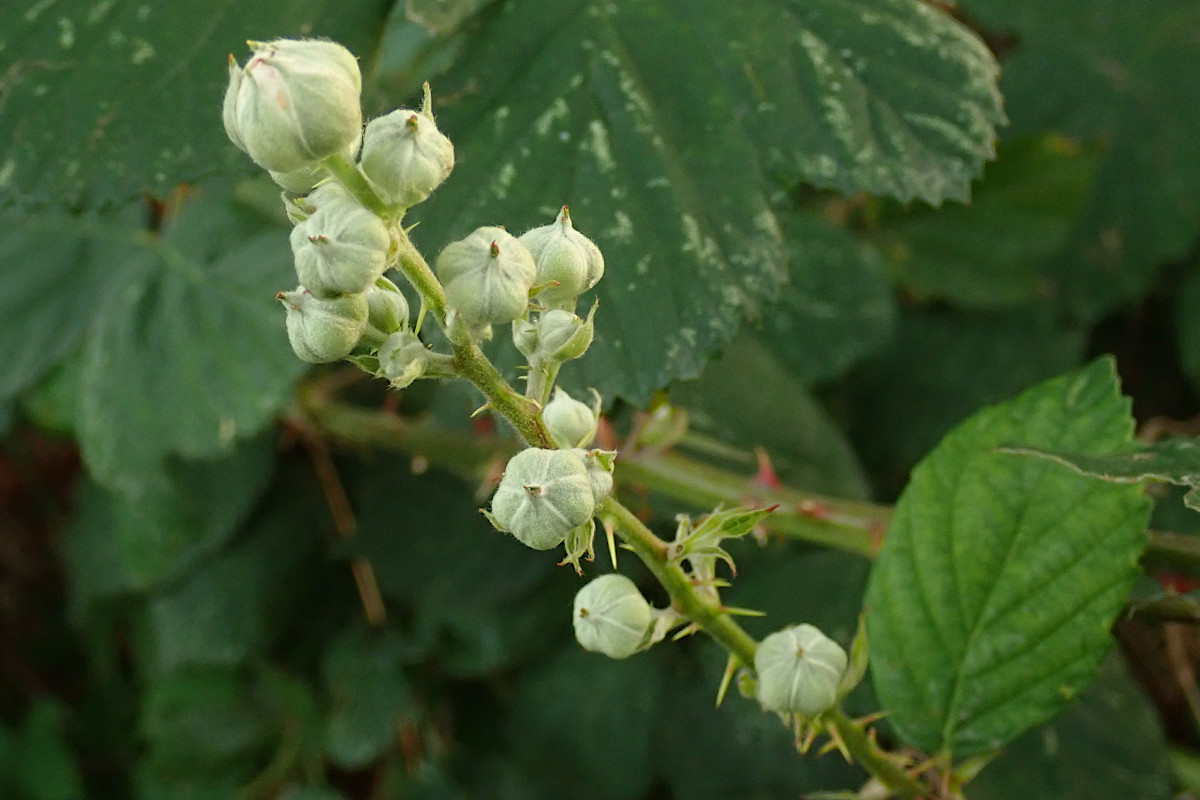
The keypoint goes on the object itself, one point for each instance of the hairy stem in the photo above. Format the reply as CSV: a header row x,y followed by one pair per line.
x,y
356,183
867,754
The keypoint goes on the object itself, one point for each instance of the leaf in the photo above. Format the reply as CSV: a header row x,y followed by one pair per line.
x,y
43,765
745,397
994,252
103,100
1187,325
1105,71
990,602
236,605
1174,461
1107,746
118,543
940,367
369,694
582,723
187,352
837,306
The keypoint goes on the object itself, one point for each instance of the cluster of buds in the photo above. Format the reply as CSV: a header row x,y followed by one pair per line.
x,y
295,109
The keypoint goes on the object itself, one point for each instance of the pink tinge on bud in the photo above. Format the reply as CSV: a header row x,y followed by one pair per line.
x,y
413,123
494,250
565,216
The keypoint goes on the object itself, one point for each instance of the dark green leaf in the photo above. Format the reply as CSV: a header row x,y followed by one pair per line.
x,y
1187,323
187,352
990,602
583,723
237,605
1107,746
132,543
1105,71
103,100
369,694
837,305
994,252
939,368
746,398
1175,461
43,765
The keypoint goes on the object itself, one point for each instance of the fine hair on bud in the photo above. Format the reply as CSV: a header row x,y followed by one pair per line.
x,y
799,670
612,617
568,263
542,496
322,330
405,156
487,277
342,248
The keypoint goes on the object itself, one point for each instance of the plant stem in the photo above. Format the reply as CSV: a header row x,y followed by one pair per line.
x,y
653,552
868,755
356,183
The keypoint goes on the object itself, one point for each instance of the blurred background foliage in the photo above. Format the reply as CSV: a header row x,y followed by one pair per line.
x,y
805,248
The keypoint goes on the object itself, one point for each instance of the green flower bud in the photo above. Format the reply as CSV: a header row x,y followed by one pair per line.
x,y
323,330
387,311
405,156
542,496
568,263
612,617
340,249
557,335
570,422
599,465
487,277
403,358
295,102
799,670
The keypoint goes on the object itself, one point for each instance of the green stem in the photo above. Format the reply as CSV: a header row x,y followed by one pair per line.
x,y
653,553
542,375
867,754
356,183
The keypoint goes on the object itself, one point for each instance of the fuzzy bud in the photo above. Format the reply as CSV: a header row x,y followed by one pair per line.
x,y
799,671
340,249
387,311
542,496
405,156
323,330
557,336
570,422
403,358
487,277
305,178
600,465
294,103
612,617
568,263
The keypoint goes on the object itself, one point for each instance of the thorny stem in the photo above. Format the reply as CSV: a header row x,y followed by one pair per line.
x,y
867,754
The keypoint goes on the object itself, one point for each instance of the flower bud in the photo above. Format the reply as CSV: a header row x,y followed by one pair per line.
x,y
487,277
612,617
323,330
403,358
799,670
556,336
295,102
405,156
387,311
570,422
599,465
568,263
542,496
340,249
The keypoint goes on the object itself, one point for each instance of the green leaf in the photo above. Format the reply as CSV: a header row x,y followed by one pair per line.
x,y
994,252
991,599
43,765
837,306
583,723
1107,746
123,543
103,100
187,351
369,694
746,398
237,605
1105,71
1174,461
1187,325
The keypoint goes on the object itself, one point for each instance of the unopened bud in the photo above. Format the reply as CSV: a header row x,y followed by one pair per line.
x,y
405,156
542,496
323,330
612,617
570,422
340,249
568,263
487,277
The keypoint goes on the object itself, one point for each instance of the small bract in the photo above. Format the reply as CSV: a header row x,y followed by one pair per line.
x,y
542,496
557,336
403,358
295,102
322,330
568,263
600,465
487,277
341,248
612,617
799,669
405,156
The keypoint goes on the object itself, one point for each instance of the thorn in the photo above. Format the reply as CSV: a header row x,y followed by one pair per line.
x,y
480,410
766,477
731,666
